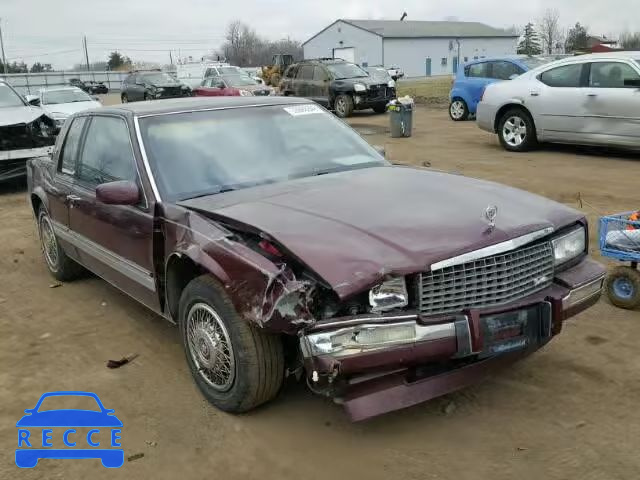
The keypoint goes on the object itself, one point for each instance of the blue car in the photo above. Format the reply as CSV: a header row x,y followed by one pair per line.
x,y
33,446
474,76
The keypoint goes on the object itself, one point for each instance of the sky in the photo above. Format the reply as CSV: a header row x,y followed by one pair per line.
x,y
50,31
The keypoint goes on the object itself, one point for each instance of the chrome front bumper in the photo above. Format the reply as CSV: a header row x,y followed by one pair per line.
x,y
364,335
26,153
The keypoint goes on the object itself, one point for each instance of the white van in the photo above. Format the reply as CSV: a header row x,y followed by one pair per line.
x,y
192,74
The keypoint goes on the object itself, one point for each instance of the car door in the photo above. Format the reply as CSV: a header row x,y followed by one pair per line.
x,y
556,98
205,89
114,241
59,192
303,78
477,78
320,86
613,103
136,88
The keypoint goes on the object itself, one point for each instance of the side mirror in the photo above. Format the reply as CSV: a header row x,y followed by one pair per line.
x,y
381,150
632,82
33,100
122,192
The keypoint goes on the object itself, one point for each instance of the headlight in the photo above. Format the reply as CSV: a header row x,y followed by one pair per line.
x,y
359,87
569,246
245,93
389,295
159,90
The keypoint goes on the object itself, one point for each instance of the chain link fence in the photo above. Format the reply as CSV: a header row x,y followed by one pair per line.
x,y
31,83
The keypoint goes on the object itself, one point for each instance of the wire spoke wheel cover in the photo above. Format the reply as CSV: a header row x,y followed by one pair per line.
x,y
49,242
210,347
514,131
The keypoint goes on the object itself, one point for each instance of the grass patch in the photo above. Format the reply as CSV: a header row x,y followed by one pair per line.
x,y
431,90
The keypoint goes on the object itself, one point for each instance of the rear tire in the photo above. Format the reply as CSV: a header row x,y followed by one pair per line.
x,y
458,110
343,106
623,287
59,264
236,365
516,131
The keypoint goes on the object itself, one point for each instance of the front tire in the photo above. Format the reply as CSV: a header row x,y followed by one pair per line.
x,y
516,131
623,287
124,98
236,365
343,106
382,108
458,110
59,264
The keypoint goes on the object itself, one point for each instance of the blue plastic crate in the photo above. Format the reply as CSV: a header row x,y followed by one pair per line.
x,y
623,245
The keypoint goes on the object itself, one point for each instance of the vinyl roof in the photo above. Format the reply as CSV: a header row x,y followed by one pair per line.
x,y
425,29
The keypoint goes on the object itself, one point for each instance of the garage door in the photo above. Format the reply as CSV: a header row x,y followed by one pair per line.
x,y
348,54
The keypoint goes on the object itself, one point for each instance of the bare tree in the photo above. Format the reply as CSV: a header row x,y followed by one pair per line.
x,y
549,31
630,41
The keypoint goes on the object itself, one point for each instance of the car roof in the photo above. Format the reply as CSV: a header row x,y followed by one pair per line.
x,y
186,104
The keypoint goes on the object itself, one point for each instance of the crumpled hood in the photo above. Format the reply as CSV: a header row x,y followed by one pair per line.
x,y
353,228
18,115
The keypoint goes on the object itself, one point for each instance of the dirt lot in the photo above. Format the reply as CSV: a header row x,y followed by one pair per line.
x,y
569,412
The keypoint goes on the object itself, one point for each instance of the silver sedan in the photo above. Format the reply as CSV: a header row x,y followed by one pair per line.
x,y
586,100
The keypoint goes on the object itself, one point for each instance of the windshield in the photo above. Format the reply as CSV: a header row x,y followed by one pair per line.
x,y
158,78
379,73
9,98
231,71
238,80
346,70
202,153
65,96
533,62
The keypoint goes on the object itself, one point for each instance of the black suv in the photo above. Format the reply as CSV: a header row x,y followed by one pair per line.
x,y
338,85
151,86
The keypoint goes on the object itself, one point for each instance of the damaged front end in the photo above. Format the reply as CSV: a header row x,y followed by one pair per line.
x,y
22,141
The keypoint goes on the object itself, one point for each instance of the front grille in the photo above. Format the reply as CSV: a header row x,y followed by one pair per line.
x,y
486,282
377,92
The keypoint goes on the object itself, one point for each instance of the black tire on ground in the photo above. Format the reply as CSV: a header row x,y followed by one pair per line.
x,y
124,98
516,130
343,105
59,264
257,356
623,287
147,97
382,108
458,110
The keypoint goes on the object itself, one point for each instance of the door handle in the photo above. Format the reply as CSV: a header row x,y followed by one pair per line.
x,y
73,198
534,93
592,94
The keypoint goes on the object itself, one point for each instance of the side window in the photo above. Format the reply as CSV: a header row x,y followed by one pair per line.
x,y
611,75
70,146
564,77
107,155
209,72
478,70
505,70
305,72
319,74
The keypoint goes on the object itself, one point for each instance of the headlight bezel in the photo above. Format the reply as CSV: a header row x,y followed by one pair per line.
x,y
576,234
359,87
389,295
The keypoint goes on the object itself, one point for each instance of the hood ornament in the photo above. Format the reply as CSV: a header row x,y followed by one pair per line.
x,y
490,214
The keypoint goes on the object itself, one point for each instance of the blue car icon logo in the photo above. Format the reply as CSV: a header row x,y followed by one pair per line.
x,y
103,429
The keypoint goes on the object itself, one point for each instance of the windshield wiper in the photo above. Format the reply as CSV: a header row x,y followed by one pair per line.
x,y
213,192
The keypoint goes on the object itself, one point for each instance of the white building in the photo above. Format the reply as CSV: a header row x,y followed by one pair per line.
x,y
419,48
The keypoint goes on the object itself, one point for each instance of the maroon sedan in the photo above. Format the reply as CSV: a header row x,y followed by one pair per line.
x,y
231,86
279,253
